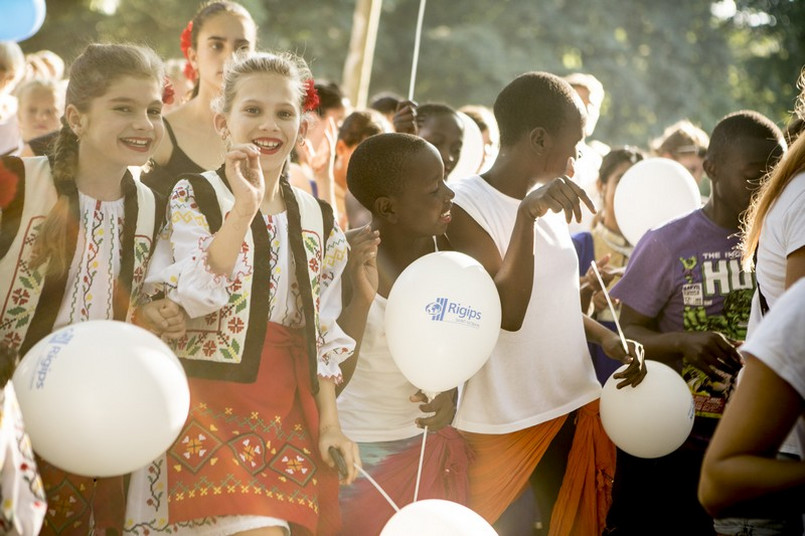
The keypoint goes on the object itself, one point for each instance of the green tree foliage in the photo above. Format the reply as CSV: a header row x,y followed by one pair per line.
x,y
659,61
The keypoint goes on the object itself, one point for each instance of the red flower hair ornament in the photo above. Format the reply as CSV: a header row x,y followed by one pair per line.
x,y
167,91
311,101
186,41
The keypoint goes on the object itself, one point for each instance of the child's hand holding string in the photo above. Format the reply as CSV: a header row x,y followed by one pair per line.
x,y
246,178
636,371
443,407
561,194
333,437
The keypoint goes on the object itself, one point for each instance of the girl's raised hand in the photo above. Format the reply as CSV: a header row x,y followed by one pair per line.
x,y
246,178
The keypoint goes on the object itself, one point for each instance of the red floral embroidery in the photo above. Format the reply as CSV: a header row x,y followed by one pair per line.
x,y
236,325
20,296
314,265
209,348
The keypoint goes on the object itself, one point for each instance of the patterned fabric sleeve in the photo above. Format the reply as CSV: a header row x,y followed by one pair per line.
x,y
180,264
23,504
334,344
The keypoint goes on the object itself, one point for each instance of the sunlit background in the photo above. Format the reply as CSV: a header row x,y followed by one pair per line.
x,y
659,61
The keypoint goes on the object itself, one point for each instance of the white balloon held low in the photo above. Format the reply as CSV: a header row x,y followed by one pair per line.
x,y
652,419
437,517
101,398
651,193
442,320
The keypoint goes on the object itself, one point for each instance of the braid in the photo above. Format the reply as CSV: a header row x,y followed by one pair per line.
x,y
60,226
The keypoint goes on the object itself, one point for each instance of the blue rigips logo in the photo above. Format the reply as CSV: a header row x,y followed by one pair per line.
x,y
444,310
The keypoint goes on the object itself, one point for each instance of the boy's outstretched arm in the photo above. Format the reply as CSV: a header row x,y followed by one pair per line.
x,y
706,350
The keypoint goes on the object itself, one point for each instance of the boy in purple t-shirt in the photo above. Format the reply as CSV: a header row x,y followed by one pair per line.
x,y
686,298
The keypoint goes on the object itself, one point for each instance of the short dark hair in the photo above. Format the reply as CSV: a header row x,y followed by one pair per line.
x,y
361,124
385,103
744,124
615,157
330,97
535,99
377,167
433,109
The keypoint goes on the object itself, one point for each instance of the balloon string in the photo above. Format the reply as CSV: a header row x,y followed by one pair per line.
x,y
419,469
611,307
417,40
377,486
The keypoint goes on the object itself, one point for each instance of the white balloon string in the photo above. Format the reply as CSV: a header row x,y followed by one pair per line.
x,y
419,469
611,307
377,486
417,40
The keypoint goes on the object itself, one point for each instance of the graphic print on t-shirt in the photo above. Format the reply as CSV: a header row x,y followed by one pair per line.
x,y
712,279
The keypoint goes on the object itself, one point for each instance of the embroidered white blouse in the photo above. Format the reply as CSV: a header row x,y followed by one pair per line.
x,y
179,268
96,263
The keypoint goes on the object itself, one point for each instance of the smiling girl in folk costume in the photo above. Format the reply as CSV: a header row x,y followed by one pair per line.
x,y
217,31
257,265
76,239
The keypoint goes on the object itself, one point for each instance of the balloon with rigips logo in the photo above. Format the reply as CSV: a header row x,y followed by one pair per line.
x,y
442,320
101,398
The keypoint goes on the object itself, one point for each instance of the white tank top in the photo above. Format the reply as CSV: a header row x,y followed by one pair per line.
x,y
543,370
374,406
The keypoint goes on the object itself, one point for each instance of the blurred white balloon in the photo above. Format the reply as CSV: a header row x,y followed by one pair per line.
x,y
101,398
442,320
436,517
652,419
652,192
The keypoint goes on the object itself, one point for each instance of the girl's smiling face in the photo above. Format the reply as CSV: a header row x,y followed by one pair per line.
x,y
265,112
124,125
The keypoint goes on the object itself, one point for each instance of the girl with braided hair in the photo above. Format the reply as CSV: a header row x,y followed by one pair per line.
x,y
257,265
76,238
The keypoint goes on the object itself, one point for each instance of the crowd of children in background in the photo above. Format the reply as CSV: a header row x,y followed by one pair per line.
x,y
252,218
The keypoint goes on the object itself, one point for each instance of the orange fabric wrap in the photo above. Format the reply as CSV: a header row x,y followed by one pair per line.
x,y
503,464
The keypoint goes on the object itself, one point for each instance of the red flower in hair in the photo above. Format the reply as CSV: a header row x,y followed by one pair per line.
x,y
186,42
311,96
167,91
8,186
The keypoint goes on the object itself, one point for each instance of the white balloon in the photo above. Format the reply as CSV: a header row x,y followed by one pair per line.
x,y
651,193
652,419
442,320
472,150
101,398
436,517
